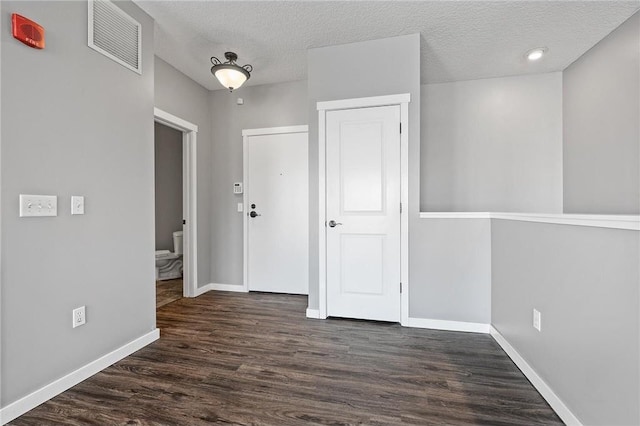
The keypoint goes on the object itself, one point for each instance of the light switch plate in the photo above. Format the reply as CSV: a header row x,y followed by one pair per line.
x,y
77,204
537,320
38,205
240,207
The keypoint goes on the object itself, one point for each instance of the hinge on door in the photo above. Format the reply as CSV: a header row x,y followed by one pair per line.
x,y
400,127
184,222
400,207
400,287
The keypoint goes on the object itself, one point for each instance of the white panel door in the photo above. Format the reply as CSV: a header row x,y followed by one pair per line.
x,y
363,213
278,236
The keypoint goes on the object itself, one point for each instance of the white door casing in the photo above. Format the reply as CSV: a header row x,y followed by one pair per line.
x,y
358,275
189,197
276,182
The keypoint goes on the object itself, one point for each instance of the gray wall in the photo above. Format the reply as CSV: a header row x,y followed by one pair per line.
x,y
271,105
353,71
584,281
177,94
89,131
601,126
453,280
493,145
168,184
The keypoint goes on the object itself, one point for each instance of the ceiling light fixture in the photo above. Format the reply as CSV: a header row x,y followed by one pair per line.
x,y
537,53
230,74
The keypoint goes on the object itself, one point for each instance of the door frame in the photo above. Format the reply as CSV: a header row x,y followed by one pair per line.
x,y
246,133
375,101
189,197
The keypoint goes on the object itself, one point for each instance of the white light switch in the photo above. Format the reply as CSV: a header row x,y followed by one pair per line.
x,y
38,205
537,320
77,204
240,207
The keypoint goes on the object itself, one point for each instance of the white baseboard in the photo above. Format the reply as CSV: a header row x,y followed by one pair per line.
x,y
220,287
547,393
469,327
313,313
202,290
31,401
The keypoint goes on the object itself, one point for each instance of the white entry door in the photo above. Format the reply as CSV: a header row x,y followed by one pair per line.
x,y
277,210
363,213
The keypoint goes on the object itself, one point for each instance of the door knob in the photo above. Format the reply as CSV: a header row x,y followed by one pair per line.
x,y
333,223
254,214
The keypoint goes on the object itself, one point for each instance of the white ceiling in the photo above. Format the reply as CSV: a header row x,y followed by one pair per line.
x,y
461,40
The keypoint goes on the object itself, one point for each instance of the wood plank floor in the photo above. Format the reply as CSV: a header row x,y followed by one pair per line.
x,y
168,291
233,358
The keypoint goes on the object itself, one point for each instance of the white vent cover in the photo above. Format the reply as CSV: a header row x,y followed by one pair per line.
x,y
115,34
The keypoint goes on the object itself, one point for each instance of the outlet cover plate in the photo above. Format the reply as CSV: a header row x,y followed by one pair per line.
x,y
79,317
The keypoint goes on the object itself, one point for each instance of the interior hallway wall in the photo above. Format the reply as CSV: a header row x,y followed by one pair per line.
x,y
168,184
89,133
584,281
177,94
269,105
452,281
602,126
492,145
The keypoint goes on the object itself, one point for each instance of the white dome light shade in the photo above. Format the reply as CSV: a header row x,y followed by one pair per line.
x,y
537,53
230,74
230,78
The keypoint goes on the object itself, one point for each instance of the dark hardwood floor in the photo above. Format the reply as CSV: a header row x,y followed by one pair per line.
x,y
168,291
233,358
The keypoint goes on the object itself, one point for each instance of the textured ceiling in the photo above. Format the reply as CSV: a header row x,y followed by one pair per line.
x,y
461,40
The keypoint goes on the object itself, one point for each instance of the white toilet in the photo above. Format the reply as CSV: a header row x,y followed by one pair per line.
x,y
168,264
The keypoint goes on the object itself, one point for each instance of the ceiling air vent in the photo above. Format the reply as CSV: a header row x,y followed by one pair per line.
x,y
115,34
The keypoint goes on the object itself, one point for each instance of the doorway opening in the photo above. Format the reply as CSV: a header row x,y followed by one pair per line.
x,y
168,214
175,208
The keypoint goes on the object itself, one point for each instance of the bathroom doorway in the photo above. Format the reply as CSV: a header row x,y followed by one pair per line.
x,y
168,214
175,208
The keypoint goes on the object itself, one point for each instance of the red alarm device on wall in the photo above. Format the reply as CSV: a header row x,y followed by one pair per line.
x,y
27,31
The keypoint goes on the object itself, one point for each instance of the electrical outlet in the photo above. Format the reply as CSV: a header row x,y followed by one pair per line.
x,y
79,317
537,320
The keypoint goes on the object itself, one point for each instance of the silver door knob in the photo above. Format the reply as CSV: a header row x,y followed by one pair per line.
x,y
333,223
